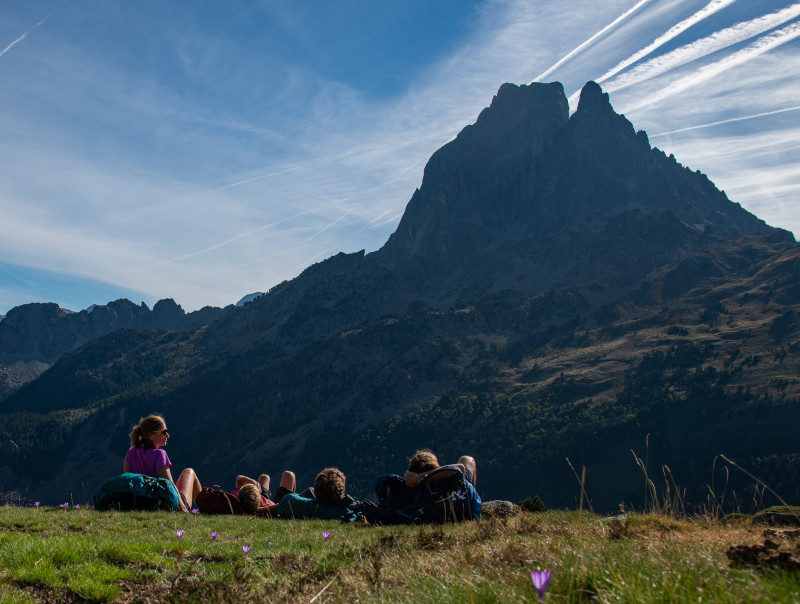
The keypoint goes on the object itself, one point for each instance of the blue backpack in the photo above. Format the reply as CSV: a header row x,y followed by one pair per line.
x,y
131,491
447,498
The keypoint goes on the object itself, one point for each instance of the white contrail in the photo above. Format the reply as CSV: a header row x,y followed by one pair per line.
x,y
22,37
759,47
230,240
325,228
581,47
697,49
262,177
705,46
674,31
728,121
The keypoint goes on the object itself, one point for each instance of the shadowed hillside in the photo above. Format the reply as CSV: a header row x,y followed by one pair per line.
x,y
555,289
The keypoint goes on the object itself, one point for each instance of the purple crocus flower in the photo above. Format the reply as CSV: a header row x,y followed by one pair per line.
x,y
20,507
180,533
541,581
246,549
64,505
271,544
214,535
36,504
325,535
195,511
78,507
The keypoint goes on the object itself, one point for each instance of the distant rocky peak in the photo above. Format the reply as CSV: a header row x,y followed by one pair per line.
x,y
519,116
594,100
597,123
522,106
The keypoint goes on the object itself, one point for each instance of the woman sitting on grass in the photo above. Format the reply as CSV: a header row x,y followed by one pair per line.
x,y
146,457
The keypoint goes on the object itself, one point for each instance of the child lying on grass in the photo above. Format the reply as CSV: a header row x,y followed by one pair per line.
x,y
326,499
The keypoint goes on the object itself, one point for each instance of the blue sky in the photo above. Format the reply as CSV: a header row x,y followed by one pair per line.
x,y
205,150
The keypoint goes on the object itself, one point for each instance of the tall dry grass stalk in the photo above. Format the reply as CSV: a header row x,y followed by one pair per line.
x,y
582,482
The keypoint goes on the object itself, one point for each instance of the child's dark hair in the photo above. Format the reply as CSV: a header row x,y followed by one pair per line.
x,y
329,486
140,435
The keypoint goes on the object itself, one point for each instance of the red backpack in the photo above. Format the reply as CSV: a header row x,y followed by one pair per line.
x,y
217,501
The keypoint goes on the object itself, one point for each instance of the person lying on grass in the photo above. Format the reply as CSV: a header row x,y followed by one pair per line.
x,y
326,499
424,462
255,496
145,456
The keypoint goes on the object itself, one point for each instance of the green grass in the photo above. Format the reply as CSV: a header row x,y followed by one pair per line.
x,y
51,554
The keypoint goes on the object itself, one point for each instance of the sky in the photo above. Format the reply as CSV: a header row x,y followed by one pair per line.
x,y
202,150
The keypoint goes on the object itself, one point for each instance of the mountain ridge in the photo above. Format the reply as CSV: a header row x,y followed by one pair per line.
x,y
34,336
556,288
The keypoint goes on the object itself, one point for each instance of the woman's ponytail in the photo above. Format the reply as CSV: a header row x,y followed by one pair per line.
x,y
147,425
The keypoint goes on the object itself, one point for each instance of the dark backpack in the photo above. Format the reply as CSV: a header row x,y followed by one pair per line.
x,y
131,491
448,498
217,501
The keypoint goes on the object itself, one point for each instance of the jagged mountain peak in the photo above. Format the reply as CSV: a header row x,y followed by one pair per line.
x,y
593,99
528,198
522,107
526,170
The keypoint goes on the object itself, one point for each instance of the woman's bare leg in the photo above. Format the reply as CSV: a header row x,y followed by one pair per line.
x,y
263,480
189,485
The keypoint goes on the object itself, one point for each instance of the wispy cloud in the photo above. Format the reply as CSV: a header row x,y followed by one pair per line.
x,y
714,43
704,73
673,32
22,37
694,51
726,121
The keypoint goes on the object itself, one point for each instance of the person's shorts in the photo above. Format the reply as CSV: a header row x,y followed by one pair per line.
x,y
280,493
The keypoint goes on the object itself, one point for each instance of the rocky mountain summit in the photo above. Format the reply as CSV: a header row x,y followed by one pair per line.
x,y
556,288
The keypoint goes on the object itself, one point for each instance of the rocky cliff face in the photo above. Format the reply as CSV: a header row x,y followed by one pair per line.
x,y
526,199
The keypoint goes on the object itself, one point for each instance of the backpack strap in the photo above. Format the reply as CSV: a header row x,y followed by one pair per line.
x,y
442,473
228,501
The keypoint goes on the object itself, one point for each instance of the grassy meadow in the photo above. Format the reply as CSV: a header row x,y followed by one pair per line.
x,y
80,555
